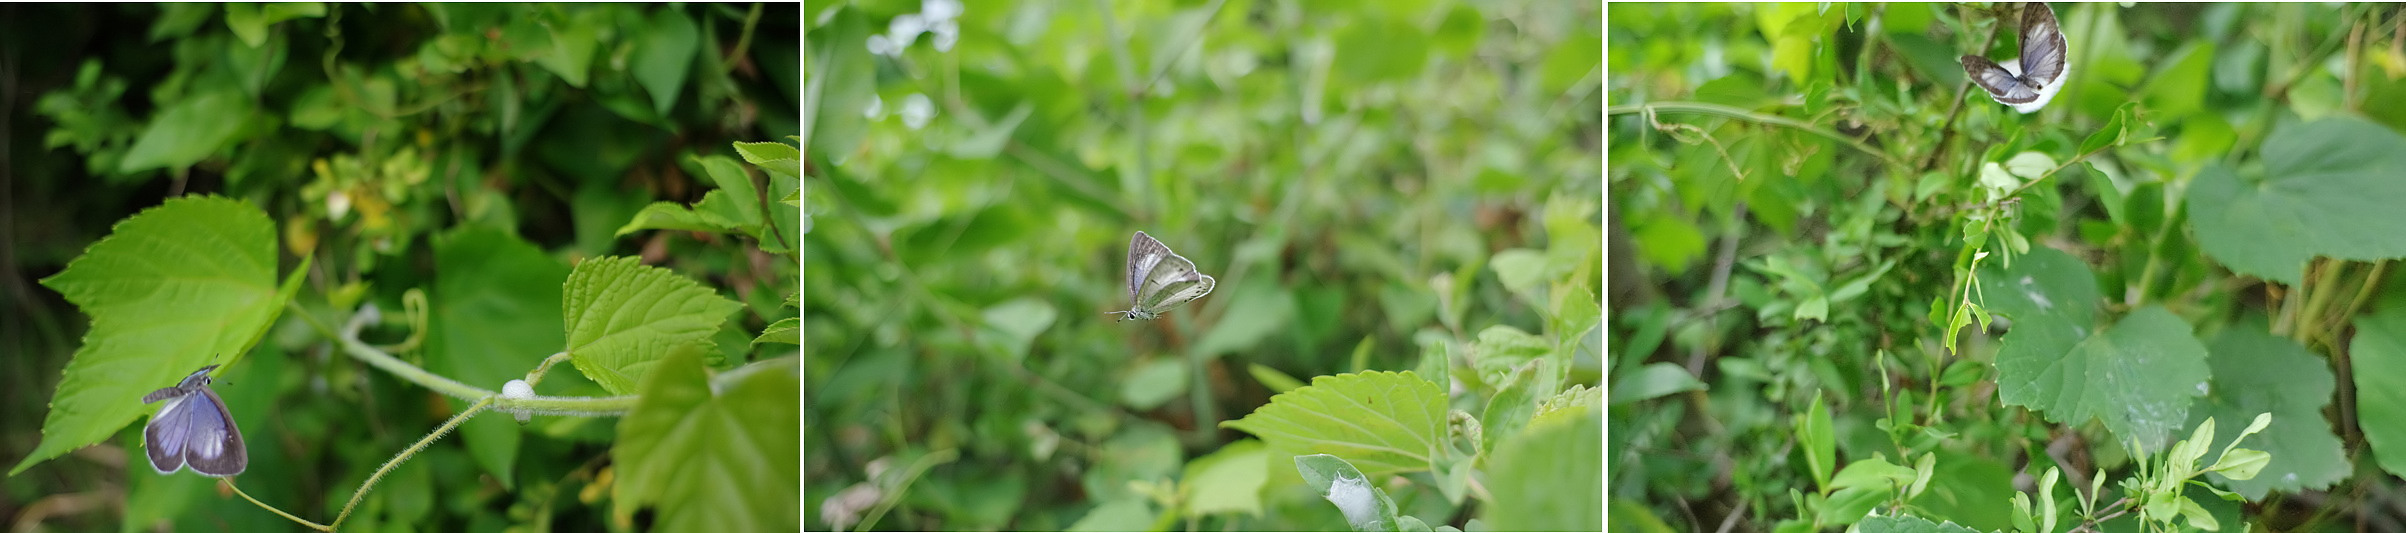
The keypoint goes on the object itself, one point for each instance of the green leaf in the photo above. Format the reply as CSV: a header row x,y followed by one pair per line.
x,y
171,289
774,157
734,207
250,21
569,43
664,53
723,457
1229,480
1384,422
2137,377
845,80
1820,441
1523,272
1275,380
2258,372
2379,354
497,299
2043,283
788,331
2179,89
1153,384
188,131
1653,381
1014,324
1908,524
1508,411
1875,473
1549,478
2241,464
2112,133
2323,185
622,317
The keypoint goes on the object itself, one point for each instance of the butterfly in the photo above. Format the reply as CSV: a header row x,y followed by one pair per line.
x,y
193,429
1159,279
2028,83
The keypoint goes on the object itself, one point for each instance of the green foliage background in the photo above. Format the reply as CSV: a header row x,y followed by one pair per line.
x,y
474,152
1376,186
1837,263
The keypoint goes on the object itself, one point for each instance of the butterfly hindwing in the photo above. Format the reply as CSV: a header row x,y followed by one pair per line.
x,y
2000,83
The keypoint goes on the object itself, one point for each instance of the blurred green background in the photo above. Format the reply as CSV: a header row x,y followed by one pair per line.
x,y
1351,172
472,151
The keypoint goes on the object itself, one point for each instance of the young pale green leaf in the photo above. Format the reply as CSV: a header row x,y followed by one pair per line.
x,y
1922,470
1568,406
2046,498
1513,403
2265,376
713,458
788,331
2321,183
2198,516
175,287
774,157
622,317
1384,422
1819,438
1875,473
2030,165
250,21
1549,478
2241,464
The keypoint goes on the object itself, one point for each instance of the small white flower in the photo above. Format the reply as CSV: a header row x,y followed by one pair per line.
x,y
878,44
906,29
917,110
338,203
940,10
945,33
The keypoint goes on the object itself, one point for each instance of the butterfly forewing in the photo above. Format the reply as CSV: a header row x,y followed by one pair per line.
x,y
2042,45
1159,279
1144,255
215,446
193,429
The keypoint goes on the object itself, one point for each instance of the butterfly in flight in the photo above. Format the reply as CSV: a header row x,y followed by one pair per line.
x,y
2029,82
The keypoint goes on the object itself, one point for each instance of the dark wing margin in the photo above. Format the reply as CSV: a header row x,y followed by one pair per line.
x,y
2043,45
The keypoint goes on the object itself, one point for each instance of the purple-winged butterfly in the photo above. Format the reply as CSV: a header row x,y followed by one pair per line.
x,y
193,429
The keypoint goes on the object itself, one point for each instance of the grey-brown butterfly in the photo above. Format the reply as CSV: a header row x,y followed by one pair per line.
x,y
193,429
2028,82
1159,279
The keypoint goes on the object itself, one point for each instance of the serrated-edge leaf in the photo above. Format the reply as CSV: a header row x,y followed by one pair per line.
x,y
729,461
787,331
175,287
623,316
774,157
1383,422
